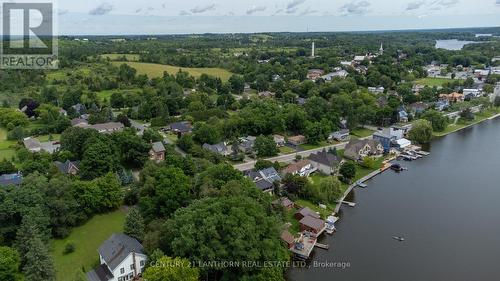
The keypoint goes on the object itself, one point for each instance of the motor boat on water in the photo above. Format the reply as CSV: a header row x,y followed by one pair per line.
x,y
330,224
397,168
400,239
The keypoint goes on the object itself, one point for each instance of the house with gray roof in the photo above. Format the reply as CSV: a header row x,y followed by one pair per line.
x,y
325,162
246,144
121,258
157,152
68,167
219,148
11,179
34,145
265,178
181,128
358,149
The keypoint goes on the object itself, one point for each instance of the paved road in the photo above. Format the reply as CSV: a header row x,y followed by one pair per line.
x,y
288,158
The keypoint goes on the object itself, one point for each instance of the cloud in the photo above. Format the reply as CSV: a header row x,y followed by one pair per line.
x,y
292,7
138,10
103,9
414,5
308,11
255,9
355,8
202,9
184,13
444,3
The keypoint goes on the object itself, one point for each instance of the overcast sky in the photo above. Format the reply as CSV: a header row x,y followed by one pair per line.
x,y
201,16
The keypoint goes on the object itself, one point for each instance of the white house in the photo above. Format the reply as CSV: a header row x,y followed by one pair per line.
x,y
342,135
121,258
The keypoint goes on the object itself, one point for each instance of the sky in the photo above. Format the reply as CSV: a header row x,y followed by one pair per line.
x,y
106,17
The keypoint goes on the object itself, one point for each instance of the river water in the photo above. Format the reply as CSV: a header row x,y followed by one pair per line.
x,y
446,206
452,45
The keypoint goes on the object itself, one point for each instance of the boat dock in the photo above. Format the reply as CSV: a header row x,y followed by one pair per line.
x,y
350,204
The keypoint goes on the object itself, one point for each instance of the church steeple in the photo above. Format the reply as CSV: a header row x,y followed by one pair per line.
x,y
381,50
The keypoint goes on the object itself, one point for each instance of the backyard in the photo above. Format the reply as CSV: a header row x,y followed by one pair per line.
x,y
431,82
87,239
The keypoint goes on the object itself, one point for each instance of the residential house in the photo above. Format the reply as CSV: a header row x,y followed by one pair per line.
x,y
359,59
279,140
33,145
246,144
301,101
68,167
265,179
340,73
283,202
297,140
376,90
441,105
305,212
11,179
346,63
453,97
181,128
419,107
313,225
402,115
387,137
471,93
121,258
325,162
342,135
287,238
417,88
157,152
314,74
79,122
302,168
107,128
79,109
219,148
266,94
358,149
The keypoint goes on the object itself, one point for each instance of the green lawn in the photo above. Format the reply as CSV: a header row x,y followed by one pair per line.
x,y
87,238
324,213
286,150
314,146
106,95
361,132
153,70
431,82
6,152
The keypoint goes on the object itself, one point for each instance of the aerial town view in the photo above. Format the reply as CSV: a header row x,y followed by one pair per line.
x,y
217,140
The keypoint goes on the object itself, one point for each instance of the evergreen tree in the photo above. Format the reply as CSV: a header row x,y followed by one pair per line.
x,y
39,265
134,224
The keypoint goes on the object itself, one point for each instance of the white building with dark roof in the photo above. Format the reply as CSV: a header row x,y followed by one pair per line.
x,y
121,258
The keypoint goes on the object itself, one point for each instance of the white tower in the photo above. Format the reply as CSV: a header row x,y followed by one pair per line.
x,y
381,50
313,51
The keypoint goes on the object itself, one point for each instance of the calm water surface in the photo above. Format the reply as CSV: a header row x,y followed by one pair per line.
x,y
453,44
446,206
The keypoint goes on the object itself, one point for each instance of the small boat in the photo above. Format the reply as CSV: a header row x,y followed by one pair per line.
x,y
362,185
400,239
397,167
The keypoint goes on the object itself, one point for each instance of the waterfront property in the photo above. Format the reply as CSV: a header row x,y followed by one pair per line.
x,y
325,162
358,149
303,168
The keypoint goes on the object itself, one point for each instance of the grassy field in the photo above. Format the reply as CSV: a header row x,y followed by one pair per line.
x,y
6,152
129,57
87,238
431,82
106,95
153,70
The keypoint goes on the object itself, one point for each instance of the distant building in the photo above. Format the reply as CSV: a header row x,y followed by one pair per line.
x,y
342,135
181,128
246,144
314,74
283,202
266,94
220,148
11,179
453,97
265,179
121,258
297,140
313,225
419,107
68,167
157,152
279,140
34,146
305,212
376,90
